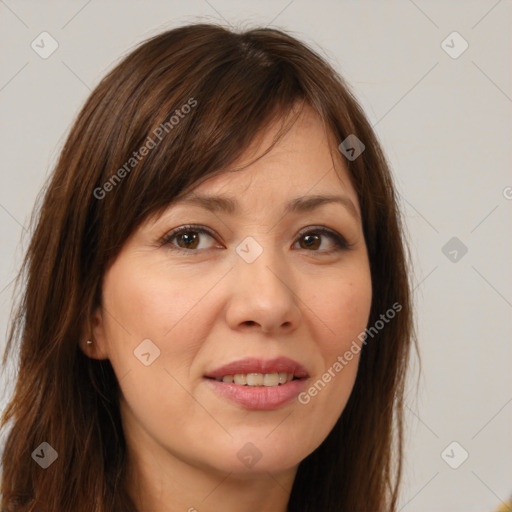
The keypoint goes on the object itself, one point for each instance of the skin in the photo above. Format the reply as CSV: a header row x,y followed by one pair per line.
x,y
212,307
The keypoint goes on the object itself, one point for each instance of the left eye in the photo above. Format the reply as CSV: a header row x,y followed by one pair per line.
x,y
187,239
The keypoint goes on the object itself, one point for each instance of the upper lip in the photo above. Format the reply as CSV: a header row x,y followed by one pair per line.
x,y
256,365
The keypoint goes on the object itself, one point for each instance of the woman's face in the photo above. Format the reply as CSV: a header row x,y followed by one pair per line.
x,y
262,292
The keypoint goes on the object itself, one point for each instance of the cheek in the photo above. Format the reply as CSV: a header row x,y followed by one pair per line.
x,y
344,308
166,306
146,302
151,302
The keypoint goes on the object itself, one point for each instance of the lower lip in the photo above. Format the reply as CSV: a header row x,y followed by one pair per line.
x,y
259,397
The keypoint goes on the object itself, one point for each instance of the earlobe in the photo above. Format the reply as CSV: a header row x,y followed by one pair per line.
x,y
93,342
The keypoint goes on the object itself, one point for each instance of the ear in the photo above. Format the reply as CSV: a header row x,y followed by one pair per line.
x,y
95,333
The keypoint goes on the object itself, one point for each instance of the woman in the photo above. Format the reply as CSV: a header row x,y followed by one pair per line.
x,y
217,309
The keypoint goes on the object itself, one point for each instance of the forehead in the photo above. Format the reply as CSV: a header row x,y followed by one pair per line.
x,y
305,161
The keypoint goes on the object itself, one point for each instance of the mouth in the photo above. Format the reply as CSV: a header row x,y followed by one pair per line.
x,y
259,384
268,380
252,371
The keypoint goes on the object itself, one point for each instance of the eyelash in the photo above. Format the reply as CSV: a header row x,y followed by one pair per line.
x,y
338,239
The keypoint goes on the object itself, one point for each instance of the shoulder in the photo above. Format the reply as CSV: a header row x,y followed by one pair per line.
x,y
506,506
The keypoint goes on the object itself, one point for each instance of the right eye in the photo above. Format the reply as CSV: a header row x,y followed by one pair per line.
x,y
186,239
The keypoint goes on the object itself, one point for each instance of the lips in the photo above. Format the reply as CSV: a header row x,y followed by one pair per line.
x,y
261,366
259,384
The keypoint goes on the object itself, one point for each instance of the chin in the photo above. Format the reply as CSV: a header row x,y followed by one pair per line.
x,y
247,455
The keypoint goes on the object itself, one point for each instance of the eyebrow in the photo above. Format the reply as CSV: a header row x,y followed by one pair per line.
x,y
298,205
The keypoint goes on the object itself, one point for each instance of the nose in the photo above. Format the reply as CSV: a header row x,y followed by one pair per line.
x,y
262,295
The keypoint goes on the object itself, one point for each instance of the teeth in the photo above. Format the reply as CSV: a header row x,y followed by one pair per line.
x,y
271,379
241,379
258,379
255,379
283,378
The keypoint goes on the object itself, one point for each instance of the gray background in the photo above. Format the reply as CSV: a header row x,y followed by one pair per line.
x,y
445,124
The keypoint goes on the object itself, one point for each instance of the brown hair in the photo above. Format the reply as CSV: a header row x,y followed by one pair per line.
x,y
240,83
